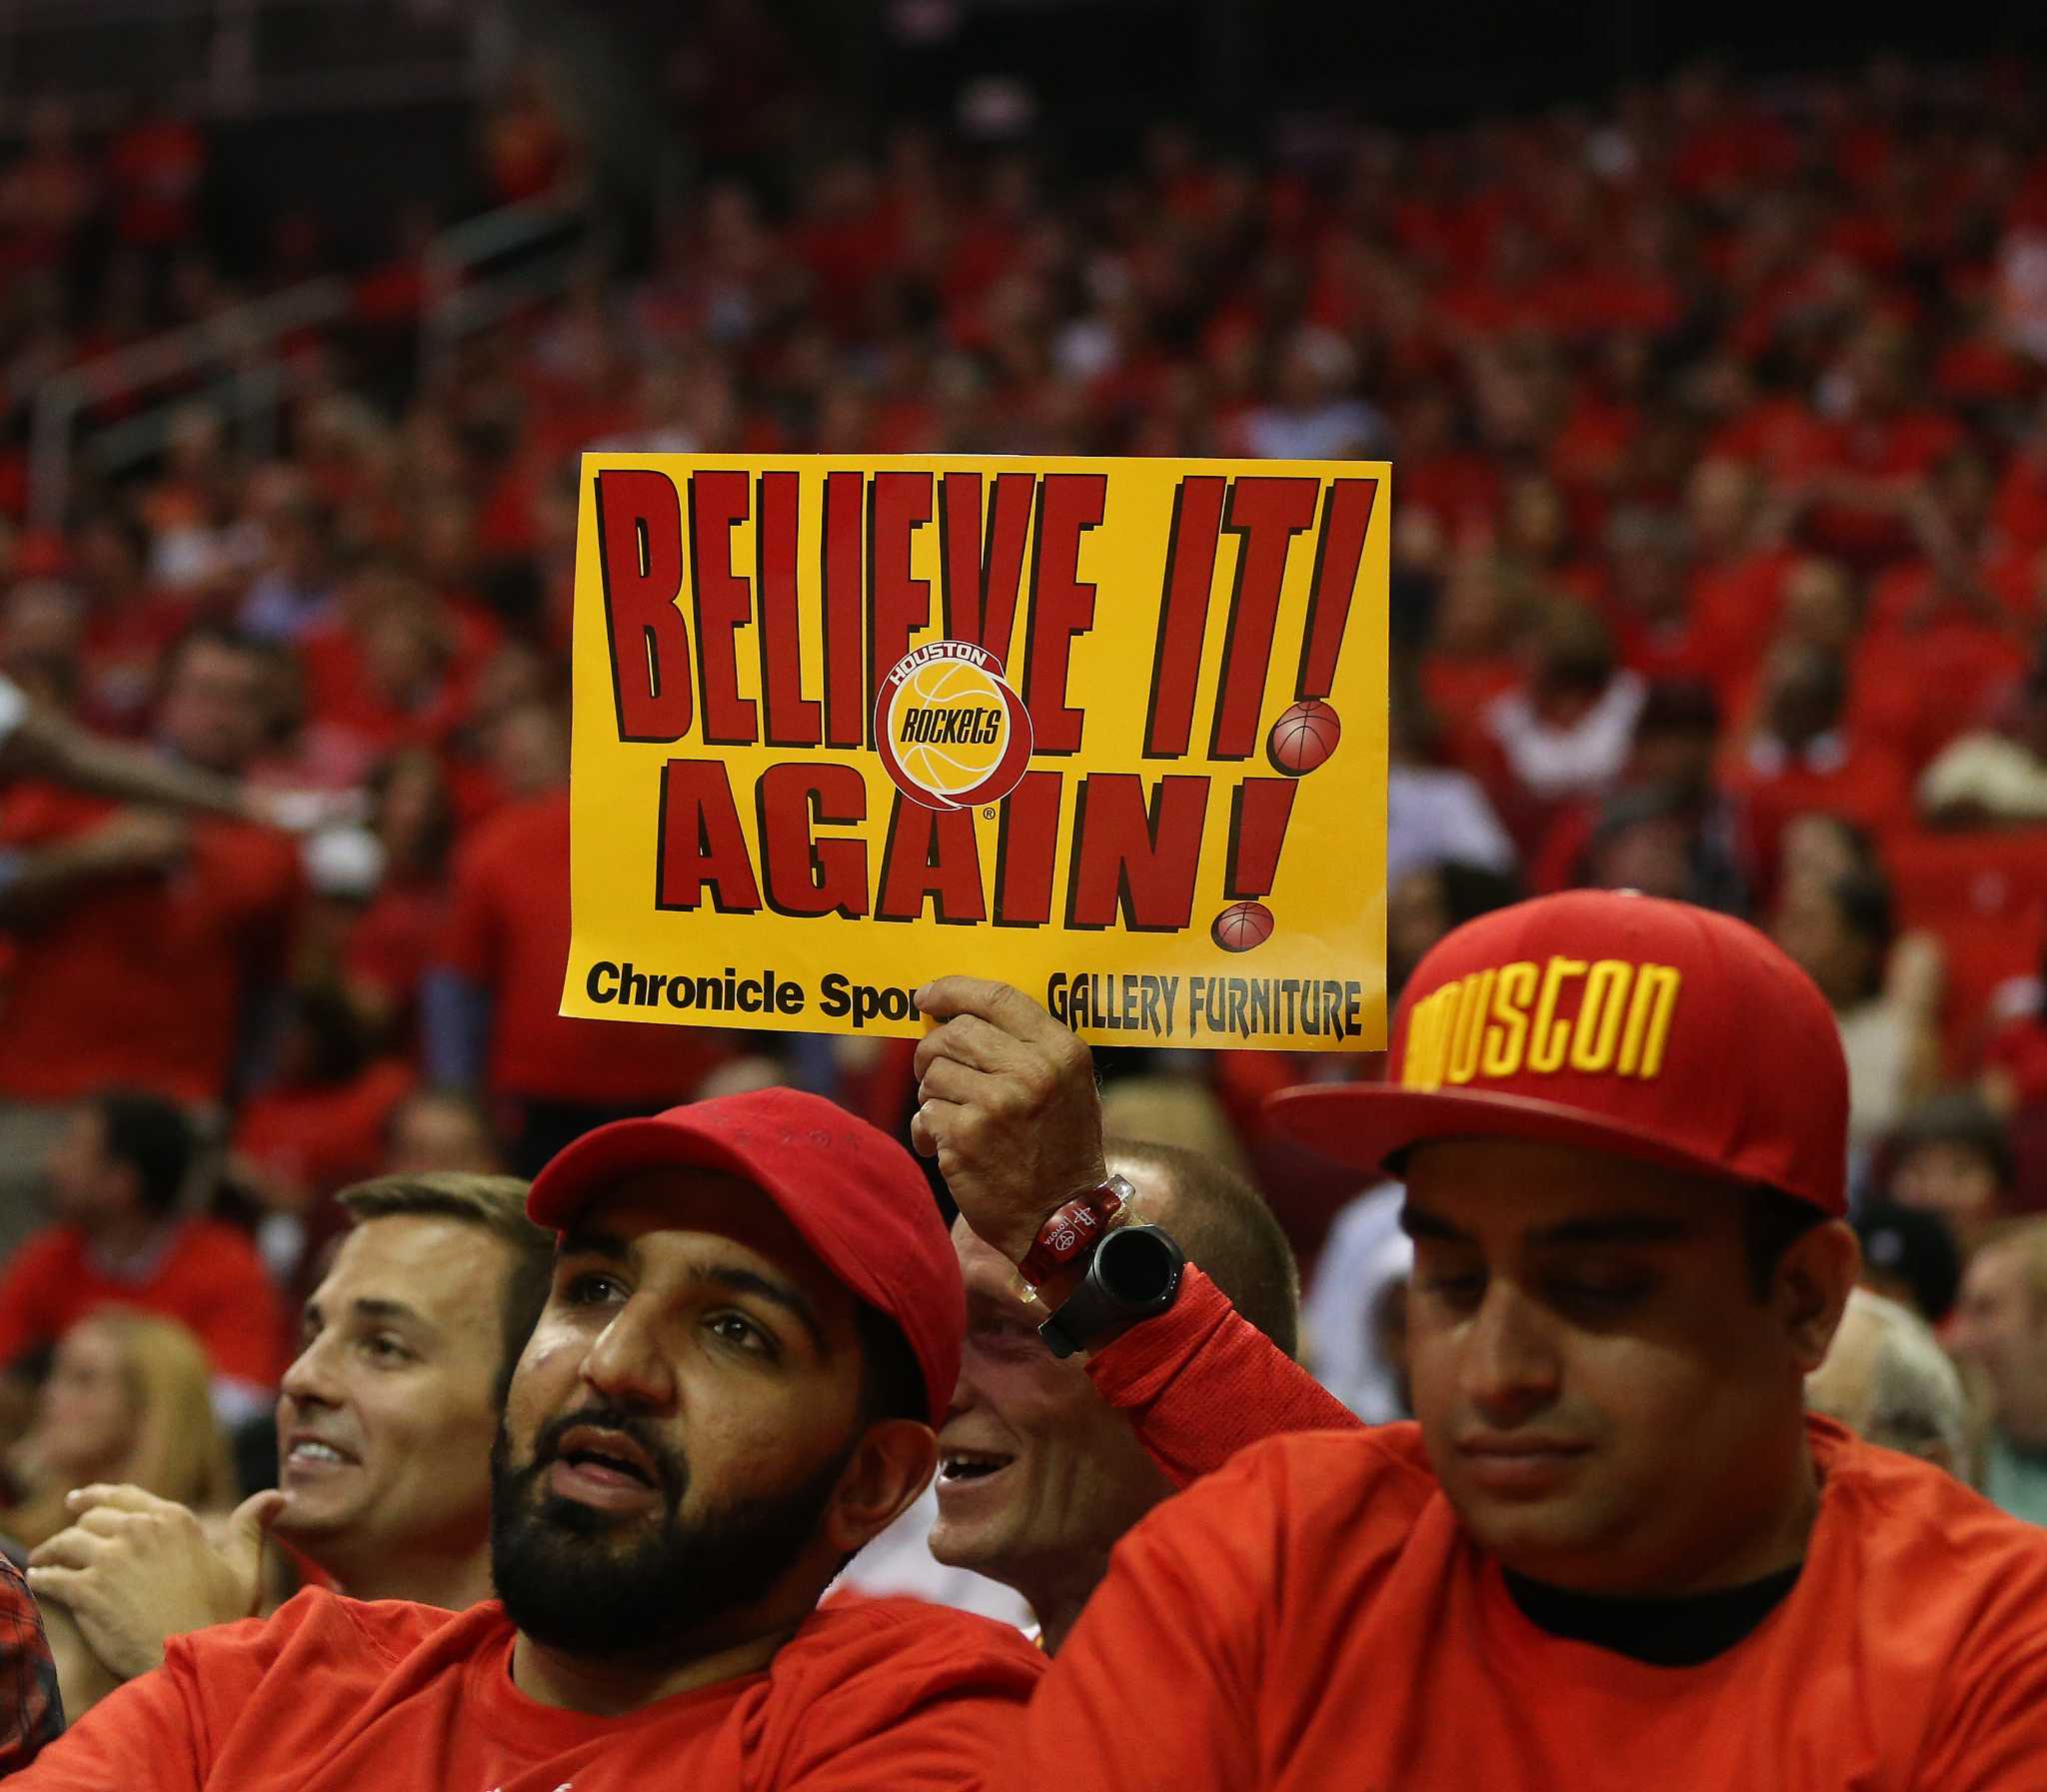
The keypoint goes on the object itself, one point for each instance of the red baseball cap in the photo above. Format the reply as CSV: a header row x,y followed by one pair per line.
x,y
856,1195
1615,1021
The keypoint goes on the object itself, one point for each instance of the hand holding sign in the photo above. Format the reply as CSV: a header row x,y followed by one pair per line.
x,y
1007,1105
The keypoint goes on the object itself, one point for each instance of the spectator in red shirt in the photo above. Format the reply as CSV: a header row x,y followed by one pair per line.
x,y
117,1181
148,945
752,1327
1805,755
383,1434
491,1006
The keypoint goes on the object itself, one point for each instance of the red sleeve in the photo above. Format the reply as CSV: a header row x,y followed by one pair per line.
x,y
25,1318
944,1689
151,1735
1156,1688
1200,1381
1995,1738
469,942
31,1713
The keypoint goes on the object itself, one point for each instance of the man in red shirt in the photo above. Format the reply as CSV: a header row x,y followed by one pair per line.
x,y
753,1328
1615,1551
491,1006
144,942
116,1179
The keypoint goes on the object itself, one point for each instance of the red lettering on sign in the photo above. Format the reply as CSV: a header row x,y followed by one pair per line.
x,y
897,605
802,873
697,841
1266,513
723,605
640,560
791,718
1133,859
1061,603
931,853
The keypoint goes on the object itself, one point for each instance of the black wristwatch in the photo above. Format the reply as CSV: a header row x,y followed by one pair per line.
x,y
1134,1275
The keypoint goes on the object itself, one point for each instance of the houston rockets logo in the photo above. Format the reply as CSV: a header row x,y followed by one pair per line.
x,y
950,730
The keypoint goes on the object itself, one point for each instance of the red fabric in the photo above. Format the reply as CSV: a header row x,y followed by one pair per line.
x,y
1198,1383
1251,1624
322,1137
334,1695
1870,788
142,980
209,1279
509,932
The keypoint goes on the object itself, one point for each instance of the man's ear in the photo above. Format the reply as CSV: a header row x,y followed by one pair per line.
x,y
1814,1279
890,1465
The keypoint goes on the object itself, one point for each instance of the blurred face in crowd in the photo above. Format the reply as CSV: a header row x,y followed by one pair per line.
x,y
88,1407
431,1132
1607,1402
1949,1177
213,707
88,1187
1037,1474
1814,935
385,1425
1417,917
685,1457
2000,1325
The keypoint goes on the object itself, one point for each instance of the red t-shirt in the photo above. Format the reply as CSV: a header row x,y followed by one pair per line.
x,y
335,1695
323,1136
1315,1616
207,1276
141,980
509,932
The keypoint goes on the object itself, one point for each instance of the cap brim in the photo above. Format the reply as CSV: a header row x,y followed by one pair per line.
x,y
564,1187
1369,1125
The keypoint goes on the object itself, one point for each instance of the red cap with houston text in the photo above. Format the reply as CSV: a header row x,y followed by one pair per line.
x,y
1614,1021
856,1195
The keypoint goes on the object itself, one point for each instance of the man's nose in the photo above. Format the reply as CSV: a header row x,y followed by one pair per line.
x,y
1510,1365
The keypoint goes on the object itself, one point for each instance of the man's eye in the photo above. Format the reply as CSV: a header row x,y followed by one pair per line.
x,y
1453,1287
1608,1293
741,1332
382,1347
593,1288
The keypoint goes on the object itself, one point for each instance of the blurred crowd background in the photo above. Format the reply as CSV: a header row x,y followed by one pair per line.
x,y
1715,391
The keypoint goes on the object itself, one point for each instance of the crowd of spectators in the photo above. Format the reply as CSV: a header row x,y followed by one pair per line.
x,y
1719,423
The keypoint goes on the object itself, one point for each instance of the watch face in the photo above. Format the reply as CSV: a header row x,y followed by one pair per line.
x,y
1139,1266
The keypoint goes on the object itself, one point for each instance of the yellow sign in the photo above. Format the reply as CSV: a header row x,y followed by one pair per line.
x,y
1112,731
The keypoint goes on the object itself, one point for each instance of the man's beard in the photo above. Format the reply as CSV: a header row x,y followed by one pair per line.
x,y
651,1590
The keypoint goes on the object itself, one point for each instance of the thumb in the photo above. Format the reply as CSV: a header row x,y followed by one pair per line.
x,y
248,1526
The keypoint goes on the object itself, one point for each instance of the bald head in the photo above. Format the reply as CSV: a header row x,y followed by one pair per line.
x,y
1223,1224
1889,1381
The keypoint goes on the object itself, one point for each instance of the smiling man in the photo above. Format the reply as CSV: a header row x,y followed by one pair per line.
x,y
753,1327
384,1433
1615,1551
1038,1476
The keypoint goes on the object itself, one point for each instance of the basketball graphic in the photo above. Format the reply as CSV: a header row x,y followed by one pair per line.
x,y
1243,925
1303,738
950,731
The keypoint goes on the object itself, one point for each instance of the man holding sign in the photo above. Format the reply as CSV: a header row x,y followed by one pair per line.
x,y
1102,717
1615,1551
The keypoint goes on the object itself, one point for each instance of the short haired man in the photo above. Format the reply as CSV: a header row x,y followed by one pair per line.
x,y
753,1323
117,1177
1615,1549
1038,1476
1889,1381
384,1432
2000,1327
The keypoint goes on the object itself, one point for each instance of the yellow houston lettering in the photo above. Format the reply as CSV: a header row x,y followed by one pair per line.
x,y
1506,1040
1501,1020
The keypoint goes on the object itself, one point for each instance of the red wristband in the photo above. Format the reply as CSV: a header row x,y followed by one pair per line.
x,y
1073,1230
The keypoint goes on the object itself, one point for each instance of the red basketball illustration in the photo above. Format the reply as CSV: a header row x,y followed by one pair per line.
x,y
1304,736
1243,925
